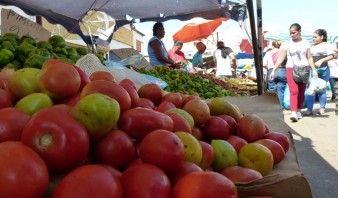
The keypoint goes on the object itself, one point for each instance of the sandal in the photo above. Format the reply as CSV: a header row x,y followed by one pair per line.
x,y
321,111
308,113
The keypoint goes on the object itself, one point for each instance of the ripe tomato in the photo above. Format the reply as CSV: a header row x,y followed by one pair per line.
x,y
163,149
89,181
102,75
145,180
23,174
6,98
203,184
132,93
60,80
184,169
116,149
12,124
138,122
110,89
59,139
130,82
83,76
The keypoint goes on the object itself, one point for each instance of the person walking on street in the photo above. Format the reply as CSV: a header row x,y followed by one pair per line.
x,y
278,83
321,52
299,58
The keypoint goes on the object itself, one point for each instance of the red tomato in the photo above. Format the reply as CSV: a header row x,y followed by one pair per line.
x,y
145,103
83,76
22,171
180,123
60,80
72,100
113,171
116,149
50,62
138,122
110,89
89,181
59,139
132,93
144,181
163,149
6,98
185,168
130,82
12,124
152,92
202,184
102,75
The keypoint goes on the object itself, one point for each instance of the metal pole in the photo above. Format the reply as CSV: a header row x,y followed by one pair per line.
x,y
256,49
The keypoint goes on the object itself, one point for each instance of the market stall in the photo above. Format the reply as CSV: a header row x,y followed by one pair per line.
x,y
74,106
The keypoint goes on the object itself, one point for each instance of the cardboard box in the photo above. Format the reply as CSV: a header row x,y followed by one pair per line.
x,y
286,180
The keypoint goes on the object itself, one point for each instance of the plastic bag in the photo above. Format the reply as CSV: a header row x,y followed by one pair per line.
x,y
155,80
286,99
316,85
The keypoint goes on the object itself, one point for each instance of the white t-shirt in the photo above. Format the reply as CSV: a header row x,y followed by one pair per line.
x,y
223,64
296,52
333,65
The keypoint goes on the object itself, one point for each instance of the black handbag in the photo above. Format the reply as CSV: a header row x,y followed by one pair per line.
x,y
300,73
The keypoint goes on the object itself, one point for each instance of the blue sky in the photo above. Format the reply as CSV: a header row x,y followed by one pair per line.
x,y
278,15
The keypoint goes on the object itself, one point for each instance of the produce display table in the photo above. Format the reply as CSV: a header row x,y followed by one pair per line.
x,y
286,179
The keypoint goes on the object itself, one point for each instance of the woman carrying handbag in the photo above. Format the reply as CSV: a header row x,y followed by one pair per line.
x,y
299,58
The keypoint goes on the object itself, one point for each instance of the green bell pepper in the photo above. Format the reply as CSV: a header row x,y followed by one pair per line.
x,y
23,51
71,52
28,39
9,45
57,41
11,36
43,52
81,51
35,61
6,56
45,45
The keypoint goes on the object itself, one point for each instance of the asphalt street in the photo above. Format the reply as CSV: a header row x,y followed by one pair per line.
x,y
315,139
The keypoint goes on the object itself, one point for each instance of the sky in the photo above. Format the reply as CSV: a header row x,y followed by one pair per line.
x,y
277,16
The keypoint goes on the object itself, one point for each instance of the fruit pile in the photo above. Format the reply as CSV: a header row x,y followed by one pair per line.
x,y
65,134
243,86
19,52
188,83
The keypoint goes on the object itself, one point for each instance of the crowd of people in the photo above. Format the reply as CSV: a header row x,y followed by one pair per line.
x,y
175,58
303,62
289,64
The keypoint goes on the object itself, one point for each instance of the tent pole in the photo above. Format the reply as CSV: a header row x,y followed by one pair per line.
x,y
256,49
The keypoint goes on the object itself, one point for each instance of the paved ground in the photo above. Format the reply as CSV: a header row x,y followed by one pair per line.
x,y
316,142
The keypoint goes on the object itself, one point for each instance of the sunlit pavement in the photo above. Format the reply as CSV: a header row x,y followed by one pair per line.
x,y
316,141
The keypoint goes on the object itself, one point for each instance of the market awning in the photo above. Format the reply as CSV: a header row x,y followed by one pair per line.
x,y
70,13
